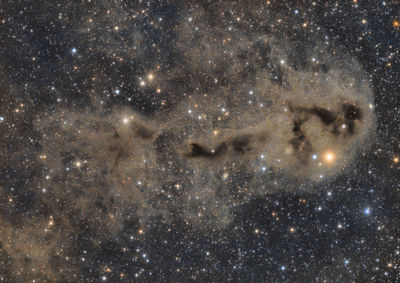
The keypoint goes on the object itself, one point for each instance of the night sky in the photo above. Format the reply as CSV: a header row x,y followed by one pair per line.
x,y
210,141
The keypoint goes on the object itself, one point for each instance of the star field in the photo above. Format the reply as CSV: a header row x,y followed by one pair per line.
x,y
211,141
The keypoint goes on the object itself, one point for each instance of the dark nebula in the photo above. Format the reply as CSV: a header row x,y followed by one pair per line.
x,y
199,141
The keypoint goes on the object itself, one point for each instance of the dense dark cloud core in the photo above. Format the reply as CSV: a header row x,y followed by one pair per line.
x,y
176,115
